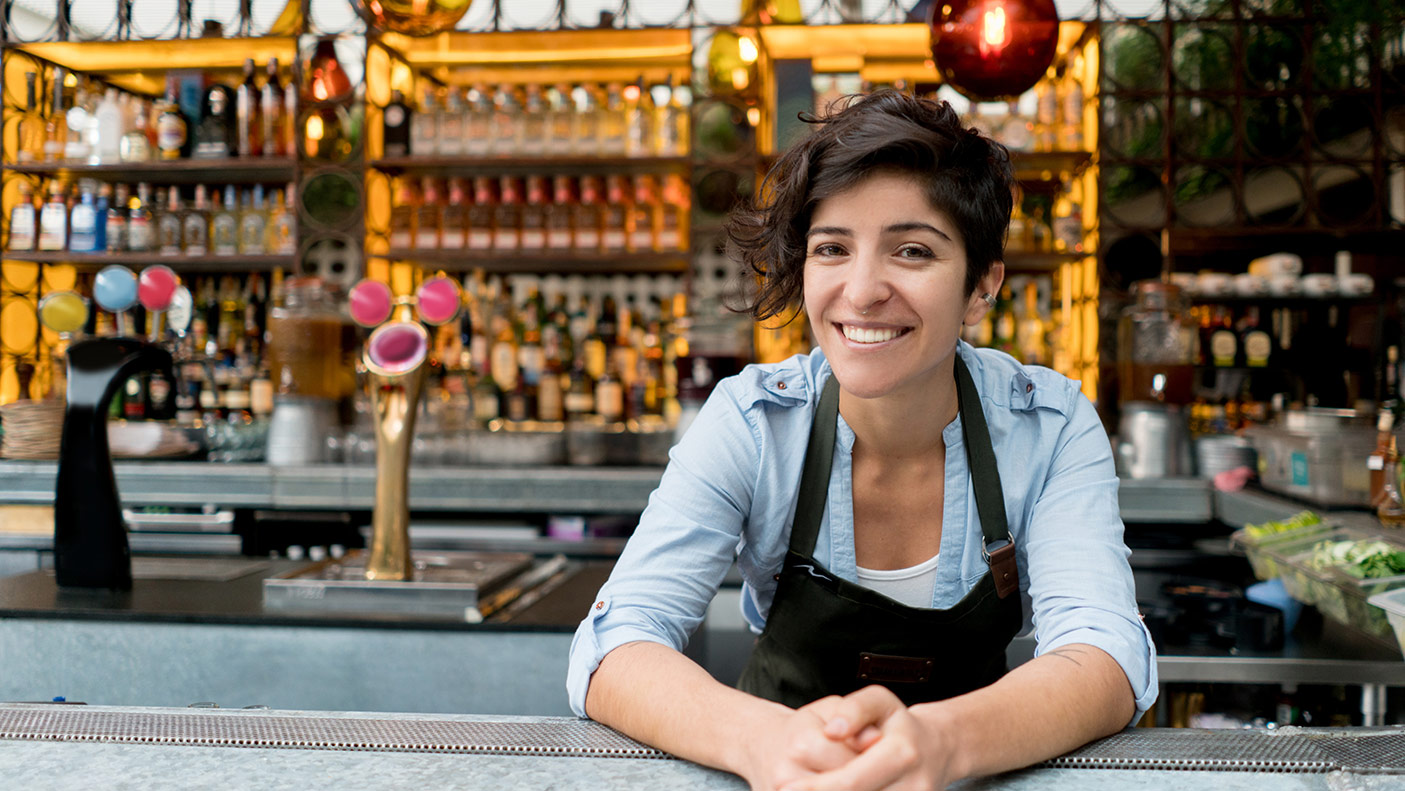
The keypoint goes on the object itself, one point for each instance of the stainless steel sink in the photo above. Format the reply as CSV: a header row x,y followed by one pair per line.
x,y
446,585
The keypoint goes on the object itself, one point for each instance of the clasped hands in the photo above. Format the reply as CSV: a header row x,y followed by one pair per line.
x,y
864,741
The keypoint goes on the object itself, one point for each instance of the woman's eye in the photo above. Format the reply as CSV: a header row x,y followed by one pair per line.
x,y
828,249
915,251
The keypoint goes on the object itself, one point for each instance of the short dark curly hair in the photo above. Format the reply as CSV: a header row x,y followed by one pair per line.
x,y
967,176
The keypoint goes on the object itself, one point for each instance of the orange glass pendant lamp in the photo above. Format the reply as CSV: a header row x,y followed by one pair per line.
x,y
412,17
993,49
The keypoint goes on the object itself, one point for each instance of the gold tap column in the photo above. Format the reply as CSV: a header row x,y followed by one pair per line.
x,y
396,398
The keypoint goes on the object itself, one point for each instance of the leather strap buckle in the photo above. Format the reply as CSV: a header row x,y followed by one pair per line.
x,y
1000,556
886,668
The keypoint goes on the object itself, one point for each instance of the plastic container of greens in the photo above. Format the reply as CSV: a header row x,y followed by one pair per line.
x,y
1342,570
1392,603
1291,559
1256,545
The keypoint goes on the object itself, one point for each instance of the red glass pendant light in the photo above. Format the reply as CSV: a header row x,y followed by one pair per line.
x,y
993,49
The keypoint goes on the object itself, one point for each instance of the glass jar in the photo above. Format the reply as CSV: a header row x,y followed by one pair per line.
x,y
1156,345
305,335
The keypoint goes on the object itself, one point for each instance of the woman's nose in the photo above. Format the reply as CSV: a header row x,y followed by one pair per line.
x,y
866,283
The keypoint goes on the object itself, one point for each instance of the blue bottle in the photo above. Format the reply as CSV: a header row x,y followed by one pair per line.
x,y
83,224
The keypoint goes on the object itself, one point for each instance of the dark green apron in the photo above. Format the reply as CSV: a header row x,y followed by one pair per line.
x,y
827,636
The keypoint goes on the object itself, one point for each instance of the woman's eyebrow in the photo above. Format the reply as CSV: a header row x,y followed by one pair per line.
x,y
831,230
904,227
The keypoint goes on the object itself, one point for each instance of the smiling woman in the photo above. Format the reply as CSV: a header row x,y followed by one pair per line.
x,y
900,504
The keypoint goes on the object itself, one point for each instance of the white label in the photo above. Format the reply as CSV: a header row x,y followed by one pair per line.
x,y
614,239
394,115
453,239
427,239
559,239
533,239
587,239
1257,348
480,239
53,227
22,229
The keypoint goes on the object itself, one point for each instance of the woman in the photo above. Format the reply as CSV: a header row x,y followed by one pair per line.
x,y
900,504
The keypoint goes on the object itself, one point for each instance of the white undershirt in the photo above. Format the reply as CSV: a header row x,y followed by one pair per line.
x,y
913,586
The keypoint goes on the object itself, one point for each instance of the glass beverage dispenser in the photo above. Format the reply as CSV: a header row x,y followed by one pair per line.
x,y
1156,346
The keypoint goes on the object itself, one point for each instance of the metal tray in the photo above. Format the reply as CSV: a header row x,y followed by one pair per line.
x,y
446,585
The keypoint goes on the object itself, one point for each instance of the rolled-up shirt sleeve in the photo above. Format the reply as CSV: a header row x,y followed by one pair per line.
x,y
671,567
1080,581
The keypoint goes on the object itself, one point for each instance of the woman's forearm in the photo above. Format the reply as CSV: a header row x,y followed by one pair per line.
x,y
654,694
1050,705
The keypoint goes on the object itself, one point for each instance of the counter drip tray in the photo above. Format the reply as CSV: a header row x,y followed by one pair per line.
x,y
446,584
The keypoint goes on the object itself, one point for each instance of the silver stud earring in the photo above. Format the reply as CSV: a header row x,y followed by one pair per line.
x,y
989,300
863,313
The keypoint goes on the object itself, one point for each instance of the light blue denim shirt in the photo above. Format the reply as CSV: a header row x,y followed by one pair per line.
x,y
730,490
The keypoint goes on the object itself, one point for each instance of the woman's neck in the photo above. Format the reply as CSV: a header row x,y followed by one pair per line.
x,y
904,424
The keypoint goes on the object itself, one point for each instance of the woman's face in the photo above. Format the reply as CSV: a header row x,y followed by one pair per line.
x,y
884,281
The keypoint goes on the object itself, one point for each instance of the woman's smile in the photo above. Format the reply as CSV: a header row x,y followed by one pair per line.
x,y
869,336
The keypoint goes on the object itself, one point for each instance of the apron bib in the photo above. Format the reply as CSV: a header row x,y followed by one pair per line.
x,y
828,636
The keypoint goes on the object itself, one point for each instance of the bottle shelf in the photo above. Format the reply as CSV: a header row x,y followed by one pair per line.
x,y
1268,301
1019,261
572,165
180,263
1032,167
234,170
544,262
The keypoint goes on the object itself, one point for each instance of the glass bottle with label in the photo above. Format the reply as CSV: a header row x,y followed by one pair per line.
x,y
171,127
588,216
24,220
249,113
170,225
107,148
587,134
614,232
478,122
283,222
53,219
673,122
29,139
674,208
613,122
481,214
224,223
116,229
424,132
507,218
640,139
195,226
558,215
429,215
534,123
609,395
55,126
277,142
533,238
136,143
215,137
643,233
402,216
253,224
396,123
1254,339
76,148
453,235
560,119
1224,344
451,118
507,123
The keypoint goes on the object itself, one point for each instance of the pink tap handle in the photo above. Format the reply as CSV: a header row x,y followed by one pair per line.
x,y
397,347
370,303
156,287
438,300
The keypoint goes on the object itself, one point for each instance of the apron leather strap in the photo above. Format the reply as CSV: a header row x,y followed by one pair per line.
x,y
814,481
999,549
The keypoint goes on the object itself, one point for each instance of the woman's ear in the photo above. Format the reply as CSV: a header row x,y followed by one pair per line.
x,y
977,305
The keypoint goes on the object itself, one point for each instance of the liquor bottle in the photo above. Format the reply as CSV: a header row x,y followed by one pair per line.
x,y
29,138
282,223
559,215
481,214
170,226
503,361
1385,425
396,123
108,147
1255,340
289,118
230,328
53,219
1224,344
429,216
674,209
170,127
640,139
533,238
588,216
588,121
609,395
117,220
83,222
1390,508
579,400
79,113
614,122
614,231
550,391
534,123
224,223
424,132
248,113
24,220
478,122
136,143
454,233
1031,331
507,217
1070,127
507,123
195,225
673,122
55,126
560,119
643,234
1067,226
253,224
451,118
402,217
275,131
531,358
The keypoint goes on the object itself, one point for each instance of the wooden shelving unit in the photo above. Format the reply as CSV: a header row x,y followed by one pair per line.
x,y
543,262
180,263
242,170
572,165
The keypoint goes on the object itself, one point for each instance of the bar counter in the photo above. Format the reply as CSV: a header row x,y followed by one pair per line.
x,y
46,747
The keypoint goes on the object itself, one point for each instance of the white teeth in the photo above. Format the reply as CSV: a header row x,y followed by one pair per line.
x,y
863,335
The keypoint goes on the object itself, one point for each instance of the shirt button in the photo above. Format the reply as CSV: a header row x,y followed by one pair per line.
x,y
1029,388
600,605
780,385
